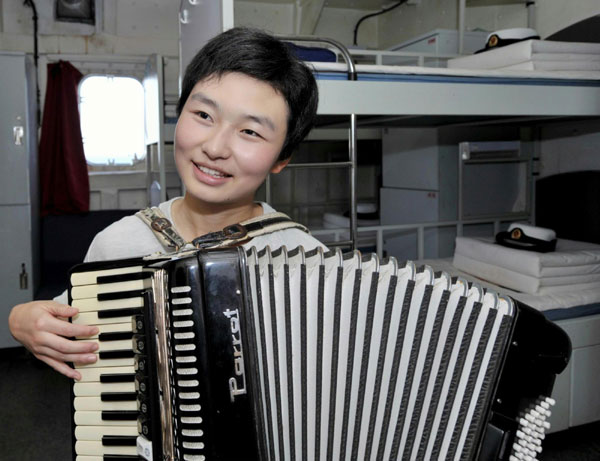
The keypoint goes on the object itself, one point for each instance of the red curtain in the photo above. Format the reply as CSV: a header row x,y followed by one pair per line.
x,y
64,181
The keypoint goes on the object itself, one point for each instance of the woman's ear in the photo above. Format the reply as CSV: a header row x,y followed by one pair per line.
x,y
280,165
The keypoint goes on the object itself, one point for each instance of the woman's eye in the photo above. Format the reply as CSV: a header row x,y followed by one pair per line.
x,y
203,115
250,132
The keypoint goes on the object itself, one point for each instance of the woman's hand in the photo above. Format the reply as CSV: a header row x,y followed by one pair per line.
x,y
41,327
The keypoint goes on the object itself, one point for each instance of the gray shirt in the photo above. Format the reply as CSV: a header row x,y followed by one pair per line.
x,y
130,237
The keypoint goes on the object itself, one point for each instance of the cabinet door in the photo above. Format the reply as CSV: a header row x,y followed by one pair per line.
x,y
14,138
15,248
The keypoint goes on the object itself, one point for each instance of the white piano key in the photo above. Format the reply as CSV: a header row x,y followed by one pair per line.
x,y
188,383
185,347
97,432
185,359
189,395
118,345
92,291
182,289
91,318
92,304
91,277
91,389
104,363
94,418
182,312
86,447
191,419
95,403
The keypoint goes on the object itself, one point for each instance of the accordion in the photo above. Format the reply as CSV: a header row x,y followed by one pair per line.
x,y
293,355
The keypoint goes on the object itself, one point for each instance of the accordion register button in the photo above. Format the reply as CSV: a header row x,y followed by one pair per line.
x,y
139,344
143,427
141,383
140,363
137,324
142,405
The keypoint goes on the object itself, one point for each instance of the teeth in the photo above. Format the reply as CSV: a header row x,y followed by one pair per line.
x,y
215,173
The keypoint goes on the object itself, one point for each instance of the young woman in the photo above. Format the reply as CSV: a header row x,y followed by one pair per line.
x,y
246,103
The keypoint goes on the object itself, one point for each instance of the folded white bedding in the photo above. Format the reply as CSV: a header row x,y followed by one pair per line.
x,y
522,52
542,302
570,258
524,283
592,65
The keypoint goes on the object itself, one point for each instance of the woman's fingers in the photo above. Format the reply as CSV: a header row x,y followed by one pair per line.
x,y
61,367
70,330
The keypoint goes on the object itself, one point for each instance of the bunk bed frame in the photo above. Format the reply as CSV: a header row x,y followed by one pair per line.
x,y
417,96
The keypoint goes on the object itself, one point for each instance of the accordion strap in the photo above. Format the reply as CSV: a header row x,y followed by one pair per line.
x,y
233,235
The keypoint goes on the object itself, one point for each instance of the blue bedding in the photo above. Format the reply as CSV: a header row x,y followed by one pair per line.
x,y
572,312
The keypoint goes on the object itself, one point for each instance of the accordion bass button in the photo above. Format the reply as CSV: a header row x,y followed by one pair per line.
x,y
139,344
140,363
137,324
141,383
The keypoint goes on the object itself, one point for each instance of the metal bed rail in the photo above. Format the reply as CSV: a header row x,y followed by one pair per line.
x,y
351,164
420,228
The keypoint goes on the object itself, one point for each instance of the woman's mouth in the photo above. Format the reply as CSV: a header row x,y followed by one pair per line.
x,y
212,172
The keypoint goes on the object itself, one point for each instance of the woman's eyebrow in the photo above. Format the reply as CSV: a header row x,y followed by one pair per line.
x,y
261,120
201,97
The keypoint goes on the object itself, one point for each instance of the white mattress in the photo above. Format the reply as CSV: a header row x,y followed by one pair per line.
x,y
457,72
525,283
529,50
570,258
563,299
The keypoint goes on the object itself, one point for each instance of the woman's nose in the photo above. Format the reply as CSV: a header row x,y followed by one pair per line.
x,y
217,143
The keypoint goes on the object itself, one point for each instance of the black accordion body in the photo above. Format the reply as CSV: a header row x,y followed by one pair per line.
x,y
294,355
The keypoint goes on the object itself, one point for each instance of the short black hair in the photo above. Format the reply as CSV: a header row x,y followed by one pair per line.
x,y
260,55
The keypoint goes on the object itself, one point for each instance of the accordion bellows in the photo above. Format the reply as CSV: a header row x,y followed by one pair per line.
x,y
285,355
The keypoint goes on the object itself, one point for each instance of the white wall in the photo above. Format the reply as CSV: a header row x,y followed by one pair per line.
x,y
573,146
409,21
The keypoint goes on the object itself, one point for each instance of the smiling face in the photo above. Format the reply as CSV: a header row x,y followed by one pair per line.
x,y
228,138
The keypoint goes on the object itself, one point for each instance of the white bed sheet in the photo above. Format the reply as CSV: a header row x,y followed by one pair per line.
x,y
526,51
570,258
543,302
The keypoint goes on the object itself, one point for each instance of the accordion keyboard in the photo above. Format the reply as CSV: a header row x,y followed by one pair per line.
x,y
105,400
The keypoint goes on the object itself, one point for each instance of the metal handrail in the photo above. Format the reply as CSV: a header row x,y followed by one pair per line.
x,y
352,141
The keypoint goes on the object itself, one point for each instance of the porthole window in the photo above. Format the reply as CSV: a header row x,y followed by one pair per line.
x,y
111,110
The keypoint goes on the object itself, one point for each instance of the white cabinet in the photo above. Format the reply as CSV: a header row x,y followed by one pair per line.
x,y
19,233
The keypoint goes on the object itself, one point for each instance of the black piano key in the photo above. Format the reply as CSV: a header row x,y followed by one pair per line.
x,y
120,295
118,415
115,336
123,277
123,312
120,354
117,378
120,457
119,440
118,396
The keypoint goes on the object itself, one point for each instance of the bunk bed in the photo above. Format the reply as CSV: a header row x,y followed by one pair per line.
x,y
384,96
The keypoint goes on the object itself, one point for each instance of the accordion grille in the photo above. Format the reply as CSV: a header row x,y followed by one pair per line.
x,y
362,360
